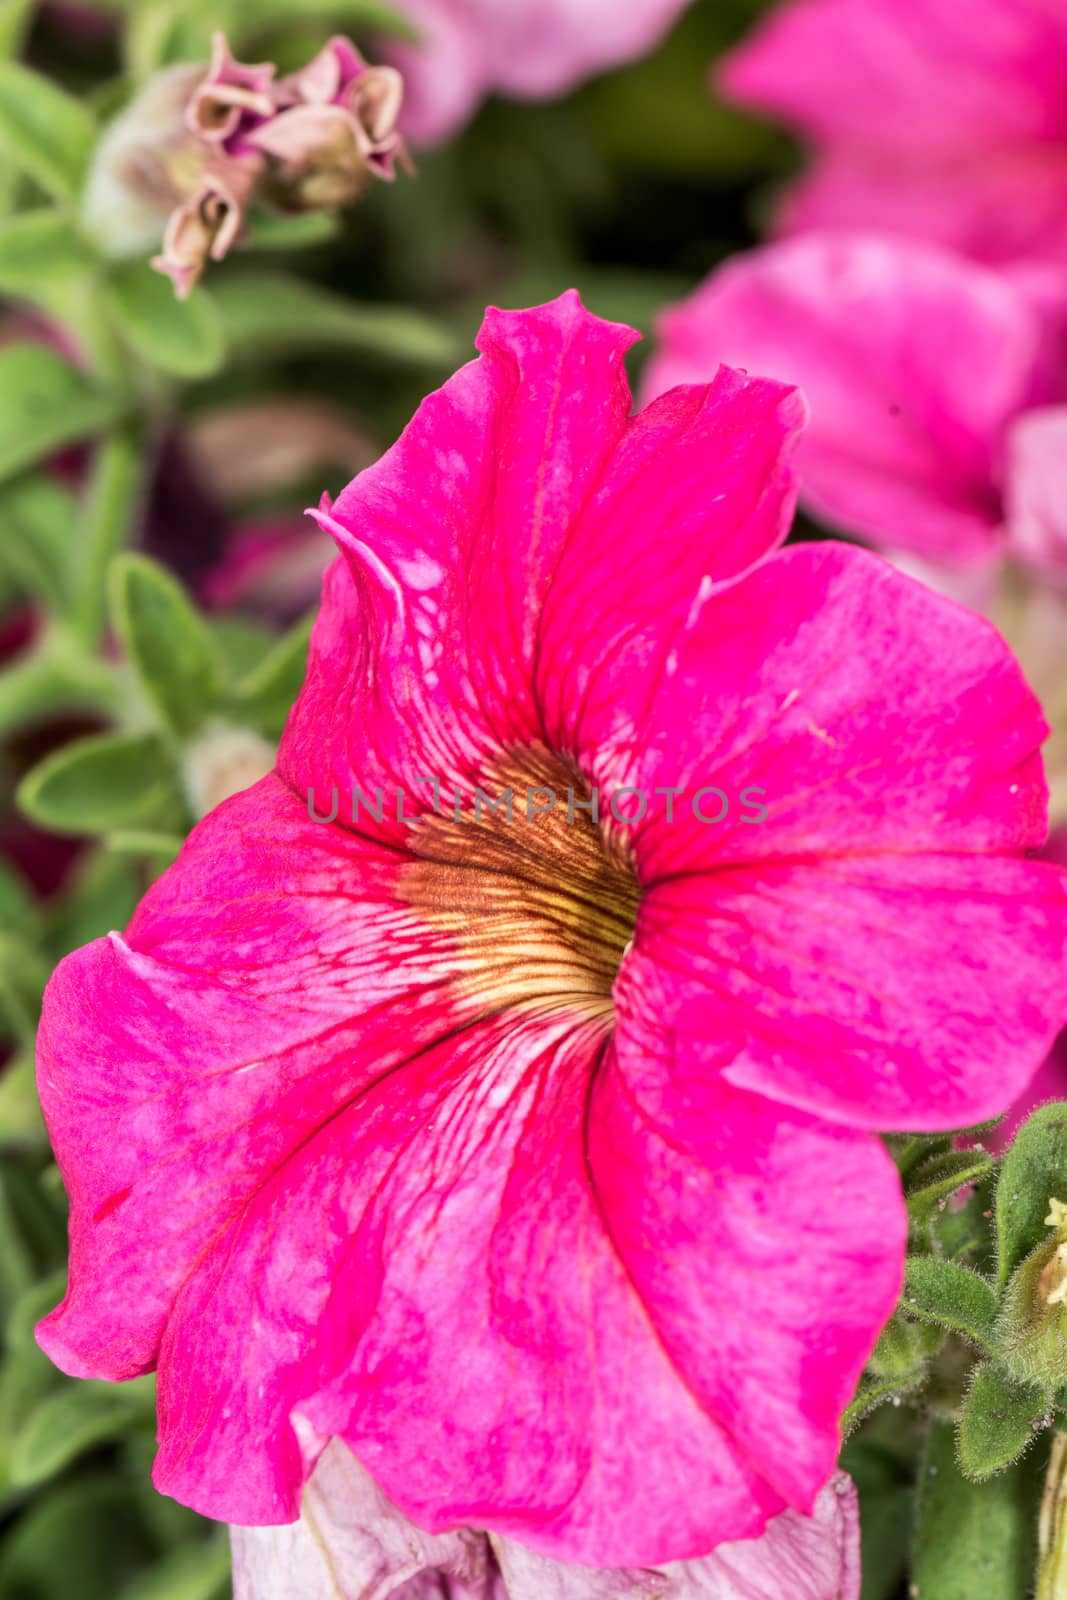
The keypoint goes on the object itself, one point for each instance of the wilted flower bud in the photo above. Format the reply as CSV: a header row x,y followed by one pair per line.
x,y
146,163
335,129
1032,1342
191,152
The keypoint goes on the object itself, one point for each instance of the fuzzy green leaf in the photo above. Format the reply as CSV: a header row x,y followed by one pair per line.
x,y
37,521
972,1541
180,337
951,1296
97,783
169,645
931,1184
44,404
44,261
1001,1419
44,130
1033,1172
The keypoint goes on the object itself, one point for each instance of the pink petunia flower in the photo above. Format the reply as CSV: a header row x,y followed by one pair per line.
x,y
945,122
529,1151
938,389
352,1543
530,49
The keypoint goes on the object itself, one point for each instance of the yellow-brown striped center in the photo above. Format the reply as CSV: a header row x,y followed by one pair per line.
x,y
539,906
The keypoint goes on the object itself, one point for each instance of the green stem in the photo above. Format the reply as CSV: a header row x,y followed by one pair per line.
x,y
1052,1527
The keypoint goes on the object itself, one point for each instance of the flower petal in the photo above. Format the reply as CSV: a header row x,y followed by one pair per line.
x,y
859,709
913,362
267,977
712,466
421,657
491,1296
1037,488
881,991
351,1543
872,72
804,1558
716,1198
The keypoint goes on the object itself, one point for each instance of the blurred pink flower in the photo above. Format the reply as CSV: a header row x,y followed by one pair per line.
x,y
941,121
932,383
352,1543
533,1156
530,49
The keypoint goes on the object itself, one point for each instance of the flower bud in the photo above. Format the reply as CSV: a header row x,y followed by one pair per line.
x,y
1032,1327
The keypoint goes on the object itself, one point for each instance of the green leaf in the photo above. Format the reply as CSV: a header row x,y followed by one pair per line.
x,y
14,20
932,1183
267,312
270,230
197,1572
242,643
251,16
43,260
44,130
37,1302
21,1124
161,34
109,513
1001,1419
951,1296
169,645
973,1541
80,1541
44,404
884,1479
97,783
910,1150
180,337
37,521
874,1392
48,681
101,894
26,1376
1033,1172
64,1426
160,848
903,1349
266,694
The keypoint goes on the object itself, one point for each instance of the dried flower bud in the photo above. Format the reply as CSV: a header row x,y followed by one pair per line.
x,y
206,226
189,154
231,99
335,131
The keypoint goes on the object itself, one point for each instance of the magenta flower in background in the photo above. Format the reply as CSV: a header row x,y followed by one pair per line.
x,y
351,1543
529,49
933,384
945,122
533,1156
